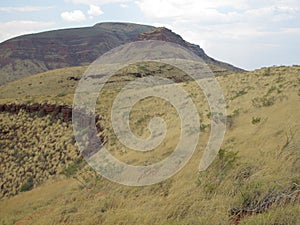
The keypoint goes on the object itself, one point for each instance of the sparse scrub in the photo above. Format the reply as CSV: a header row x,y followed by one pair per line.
x,y
267,72
230,118
203,126
73,168
271,90
211,179
62,94
239,93
263,101
256,120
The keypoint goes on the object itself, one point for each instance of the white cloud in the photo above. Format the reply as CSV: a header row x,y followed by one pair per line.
x,y
123,6
185,8
73,16
229,28
94,11
216,11
25,8
15,28
96,2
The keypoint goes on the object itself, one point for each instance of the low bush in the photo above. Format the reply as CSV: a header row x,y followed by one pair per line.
x,y
28,185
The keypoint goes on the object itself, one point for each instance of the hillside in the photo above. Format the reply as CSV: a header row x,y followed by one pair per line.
x,y
254,180
35,53
63,83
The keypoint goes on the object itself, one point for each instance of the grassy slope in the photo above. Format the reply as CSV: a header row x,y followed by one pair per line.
x,y
260,154
56,87
51,86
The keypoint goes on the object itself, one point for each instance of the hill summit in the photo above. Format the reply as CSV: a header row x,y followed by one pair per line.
x,y
165,34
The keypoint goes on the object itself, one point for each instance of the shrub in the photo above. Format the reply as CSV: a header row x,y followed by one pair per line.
x,y
70,170
41,113
218,171
203,126
230,118
263,101
256,120
267,72
238,94
226,160
271,90
73,168
28,185
62,94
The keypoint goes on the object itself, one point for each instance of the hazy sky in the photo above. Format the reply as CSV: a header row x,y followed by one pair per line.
x,y
247,33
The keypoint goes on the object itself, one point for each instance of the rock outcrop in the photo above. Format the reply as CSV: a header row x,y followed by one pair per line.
x,y
58,111
165,34
62,112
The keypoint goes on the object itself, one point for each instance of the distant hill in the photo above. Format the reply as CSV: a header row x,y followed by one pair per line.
x,y
35,53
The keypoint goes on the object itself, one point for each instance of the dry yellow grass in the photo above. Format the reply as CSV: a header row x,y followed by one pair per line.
x,y
52,86
260,154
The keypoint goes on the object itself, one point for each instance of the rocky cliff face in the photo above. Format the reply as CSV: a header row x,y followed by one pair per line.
x,y
164,34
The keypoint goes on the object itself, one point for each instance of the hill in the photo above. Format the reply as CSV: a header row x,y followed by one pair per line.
x,y
35,53
254,180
